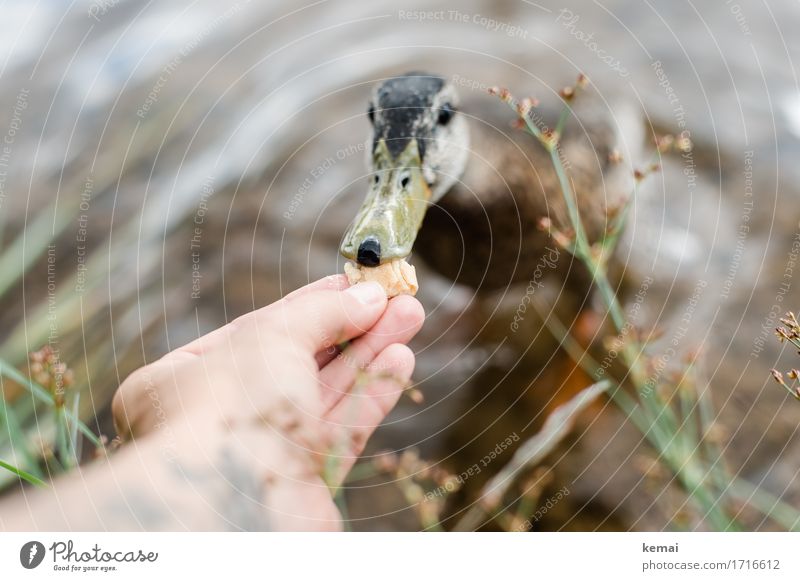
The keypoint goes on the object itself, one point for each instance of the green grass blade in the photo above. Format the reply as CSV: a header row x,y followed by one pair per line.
x,y
45,396
19,441
22,474
72,429
766,503
62,440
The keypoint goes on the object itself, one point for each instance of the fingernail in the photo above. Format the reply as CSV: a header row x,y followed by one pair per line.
x,y
367,293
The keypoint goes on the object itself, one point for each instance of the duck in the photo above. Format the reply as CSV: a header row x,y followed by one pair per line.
x,y
451,181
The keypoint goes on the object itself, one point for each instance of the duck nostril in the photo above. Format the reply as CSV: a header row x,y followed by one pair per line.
x,y
369,252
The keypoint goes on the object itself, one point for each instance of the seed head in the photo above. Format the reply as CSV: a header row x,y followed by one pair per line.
x,y
567,93
48,371
518,123
545,224
385,462
415,395
525,105
683,143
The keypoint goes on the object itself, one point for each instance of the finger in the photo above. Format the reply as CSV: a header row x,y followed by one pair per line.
x,y
322,319
334,282
398,324
356,416
148,397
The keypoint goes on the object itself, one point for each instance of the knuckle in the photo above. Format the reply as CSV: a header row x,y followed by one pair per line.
x,y
133,385
118,413
126,406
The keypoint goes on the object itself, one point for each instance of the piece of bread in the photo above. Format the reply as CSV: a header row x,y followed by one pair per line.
x,y
397,277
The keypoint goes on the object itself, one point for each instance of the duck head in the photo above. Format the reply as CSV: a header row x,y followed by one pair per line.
x,y
420,144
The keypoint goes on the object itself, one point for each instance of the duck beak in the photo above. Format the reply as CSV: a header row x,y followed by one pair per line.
x,y
387,223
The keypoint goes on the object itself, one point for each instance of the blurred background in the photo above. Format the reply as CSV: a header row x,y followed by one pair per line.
x,y
166,167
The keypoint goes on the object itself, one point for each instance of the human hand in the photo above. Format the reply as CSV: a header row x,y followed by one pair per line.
x,y
271,392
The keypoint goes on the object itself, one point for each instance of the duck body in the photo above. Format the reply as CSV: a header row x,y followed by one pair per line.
x,y
486,233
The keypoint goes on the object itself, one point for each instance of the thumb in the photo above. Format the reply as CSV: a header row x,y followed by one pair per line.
x,y
322,319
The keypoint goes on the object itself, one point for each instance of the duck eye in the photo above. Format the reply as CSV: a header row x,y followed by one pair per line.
x,y
405,180
377,179
446,114
371,113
